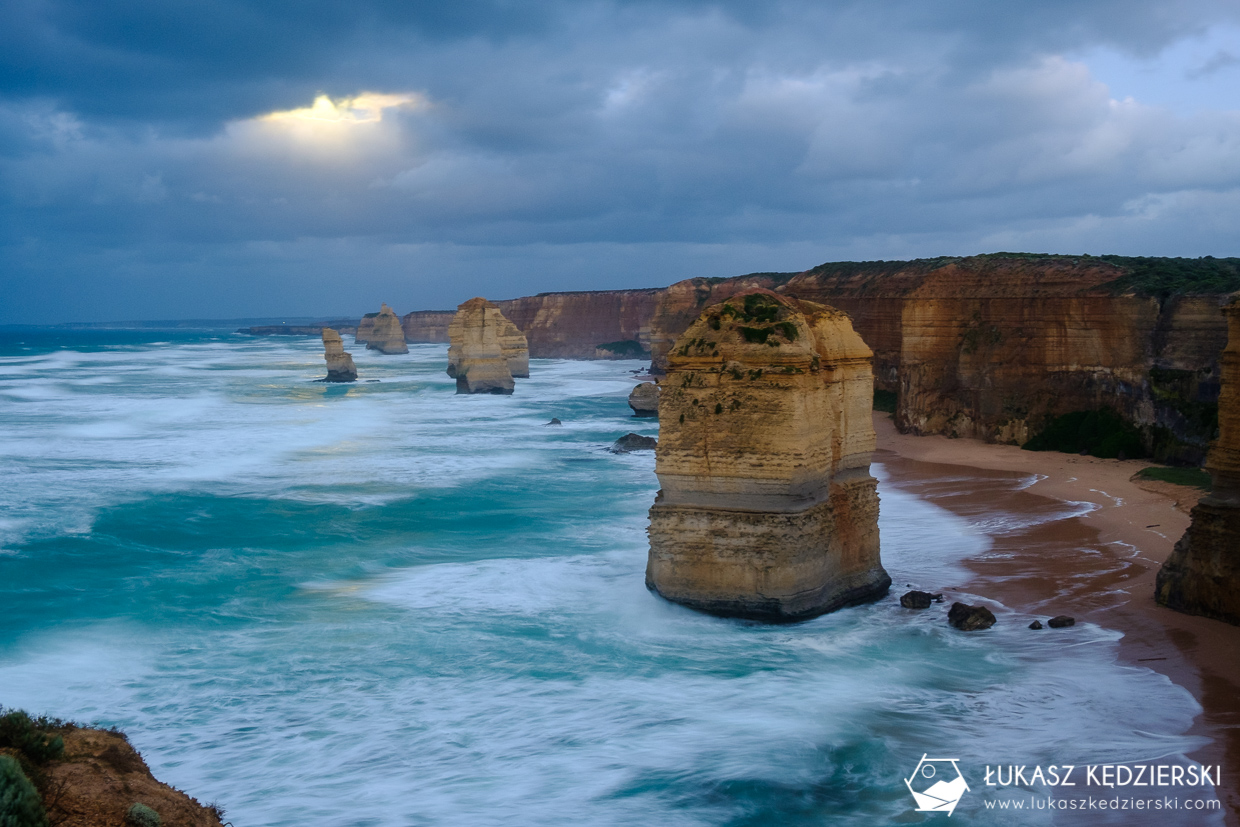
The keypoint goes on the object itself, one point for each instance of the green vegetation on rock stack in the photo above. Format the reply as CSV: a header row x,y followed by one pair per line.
x,y
1102,433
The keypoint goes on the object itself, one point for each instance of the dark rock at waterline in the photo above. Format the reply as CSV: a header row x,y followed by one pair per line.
x,y
968,618
1037,624
634,442
1061,621
554,421
916,600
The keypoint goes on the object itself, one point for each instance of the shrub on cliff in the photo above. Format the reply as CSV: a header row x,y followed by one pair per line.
x,y
30,737
20,805
1102,433
140,815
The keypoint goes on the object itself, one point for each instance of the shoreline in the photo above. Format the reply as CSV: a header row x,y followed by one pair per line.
x,y
1129,530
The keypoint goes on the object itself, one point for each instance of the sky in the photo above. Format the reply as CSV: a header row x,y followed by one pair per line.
x,y
162,159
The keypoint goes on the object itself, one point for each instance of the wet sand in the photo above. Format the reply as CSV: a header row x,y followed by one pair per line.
x,y
1098,567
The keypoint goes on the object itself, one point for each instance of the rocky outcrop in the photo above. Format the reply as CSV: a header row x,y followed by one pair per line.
x,y
631,442
89,777
767,508
340,367
644,399
1202,574
427,326
486,350
384,334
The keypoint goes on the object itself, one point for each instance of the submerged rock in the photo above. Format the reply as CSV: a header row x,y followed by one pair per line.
x,y
340,367
1202,574
634,442
486,350
916,600
968,618
1037,624
644,400
385,334
1061,621
554,421
767,508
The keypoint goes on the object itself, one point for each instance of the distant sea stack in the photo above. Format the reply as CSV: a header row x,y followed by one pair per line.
x,y
485,350
767,508
1202,575
644,400
385,333
340,367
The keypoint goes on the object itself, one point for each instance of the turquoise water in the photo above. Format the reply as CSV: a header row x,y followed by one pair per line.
x,y
386,604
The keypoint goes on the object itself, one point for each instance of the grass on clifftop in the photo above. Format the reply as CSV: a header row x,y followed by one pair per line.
x,y
1163,277
1190,477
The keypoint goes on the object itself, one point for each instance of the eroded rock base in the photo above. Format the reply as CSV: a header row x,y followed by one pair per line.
x,y
773,566
1202,574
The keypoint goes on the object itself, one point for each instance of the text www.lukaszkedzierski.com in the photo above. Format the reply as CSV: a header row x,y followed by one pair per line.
x,y
1090,803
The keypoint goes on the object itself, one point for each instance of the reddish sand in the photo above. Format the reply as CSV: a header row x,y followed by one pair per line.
x,y
1045,571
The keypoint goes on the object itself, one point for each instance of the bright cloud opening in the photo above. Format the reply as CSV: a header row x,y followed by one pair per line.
x,y
365,108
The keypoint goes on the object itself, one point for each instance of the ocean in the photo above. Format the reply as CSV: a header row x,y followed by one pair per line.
x,y
387,604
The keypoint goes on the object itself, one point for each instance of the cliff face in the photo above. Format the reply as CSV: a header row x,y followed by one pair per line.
x,y
1202,574
385,334
484,349
767,508
573,325
426,326
340,367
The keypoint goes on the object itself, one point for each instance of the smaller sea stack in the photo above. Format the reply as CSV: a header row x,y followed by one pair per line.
x,y
385,333
340,367
1202,574
485,350
767,508
644,400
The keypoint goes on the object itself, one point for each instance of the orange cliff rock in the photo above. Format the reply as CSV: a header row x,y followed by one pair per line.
x,y
767,508
340,367
382,332
486,350
1202,574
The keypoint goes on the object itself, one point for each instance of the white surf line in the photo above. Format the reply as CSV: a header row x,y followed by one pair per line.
x,y
1118,501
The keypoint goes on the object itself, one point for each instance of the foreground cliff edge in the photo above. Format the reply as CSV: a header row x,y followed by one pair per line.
x,y
767,509
1202,574
58,773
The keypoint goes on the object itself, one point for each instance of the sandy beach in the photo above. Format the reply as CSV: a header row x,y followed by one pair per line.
x,y
1098,567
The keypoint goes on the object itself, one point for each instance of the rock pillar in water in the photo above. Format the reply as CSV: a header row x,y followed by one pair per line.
x,y
340,367
386,335
644,400
1202,574
767,508
485,350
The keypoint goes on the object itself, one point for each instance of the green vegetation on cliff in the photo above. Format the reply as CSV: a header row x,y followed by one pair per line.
x,y
627,348
1164,277
1191,477
1102,433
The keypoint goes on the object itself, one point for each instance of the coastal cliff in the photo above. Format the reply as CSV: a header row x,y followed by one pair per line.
x,y
426,326
767,508
1202,574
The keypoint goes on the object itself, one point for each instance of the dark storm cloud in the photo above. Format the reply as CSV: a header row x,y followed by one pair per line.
x,y
131,159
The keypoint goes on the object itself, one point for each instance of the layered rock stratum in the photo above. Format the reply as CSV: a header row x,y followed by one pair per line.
x,y
992,346
1202,574
767,508
486,350
340,367
383,332
644,399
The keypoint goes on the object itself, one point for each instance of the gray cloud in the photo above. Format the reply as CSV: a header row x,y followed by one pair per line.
x,y
667,138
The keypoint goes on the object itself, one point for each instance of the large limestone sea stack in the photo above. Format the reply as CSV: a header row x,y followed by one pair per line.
x,y
1202,575
386,335
340,367
767,508
485,350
